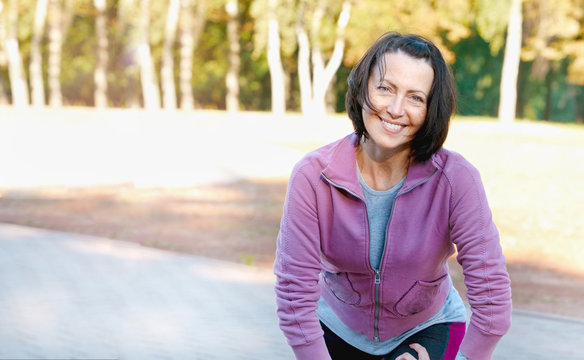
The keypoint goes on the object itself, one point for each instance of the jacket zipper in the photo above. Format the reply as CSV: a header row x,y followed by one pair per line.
x,y
377,305
378,271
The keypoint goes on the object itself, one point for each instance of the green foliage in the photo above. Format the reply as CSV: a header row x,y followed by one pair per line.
x,y
26,13
78,62
210,66
555,32
491,21
340,88
443,22
254,79
477,74
551,98
469,32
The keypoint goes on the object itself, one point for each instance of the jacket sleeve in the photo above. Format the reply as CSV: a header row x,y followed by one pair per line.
x,y
297,269
483,264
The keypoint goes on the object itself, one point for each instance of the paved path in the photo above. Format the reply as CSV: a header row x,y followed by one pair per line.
x,y
65,296
68,296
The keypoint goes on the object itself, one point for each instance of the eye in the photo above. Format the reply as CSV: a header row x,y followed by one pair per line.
x,y
417,99
383,88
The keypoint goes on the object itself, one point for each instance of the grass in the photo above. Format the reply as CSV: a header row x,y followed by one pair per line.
x,y
533,173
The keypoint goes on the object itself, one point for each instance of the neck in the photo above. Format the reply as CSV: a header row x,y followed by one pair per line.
x,y
382,169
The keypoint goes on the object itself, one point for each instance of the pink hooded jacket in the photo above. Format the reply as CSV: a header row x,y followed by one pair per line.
x,y
323,248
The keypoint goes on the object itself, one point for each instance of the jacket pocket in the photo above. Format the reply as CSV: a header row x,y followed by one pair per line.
x,y
341,287
418,297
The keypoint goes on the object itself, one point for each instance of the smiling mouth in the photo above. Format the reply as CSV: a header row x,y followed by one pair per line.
x,y
392,126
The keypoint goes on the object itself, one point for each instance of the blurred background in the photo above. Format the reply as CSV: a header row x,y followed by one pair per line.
x,y
283,55
175,123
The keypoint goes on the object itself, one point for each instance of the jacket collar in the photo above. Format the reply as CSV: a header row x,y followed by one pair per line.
x,y
341,168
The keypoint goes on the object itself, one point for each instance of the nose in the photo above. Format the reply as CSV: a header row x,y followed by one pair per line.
x,y
395,108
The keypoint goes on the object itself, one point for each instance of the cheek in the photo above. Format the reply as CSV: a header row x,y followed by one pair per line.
x,y
367,109
368,113
420,117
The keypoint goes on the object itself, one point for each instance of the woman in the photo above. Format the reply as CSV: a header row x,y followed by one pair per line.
x,y
370,221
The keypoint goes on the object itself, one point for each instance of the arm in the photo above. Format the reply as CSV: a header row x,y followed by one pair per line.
x,y
483,264
297,269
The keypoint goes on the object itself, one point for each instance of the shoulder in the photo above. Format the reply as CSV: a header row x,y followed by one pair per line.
x,y
453,164
306,176
314,162
456,169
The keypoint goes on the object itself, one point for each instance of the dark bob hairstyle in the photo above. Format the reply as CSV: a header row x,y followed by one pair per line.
x,y
441,100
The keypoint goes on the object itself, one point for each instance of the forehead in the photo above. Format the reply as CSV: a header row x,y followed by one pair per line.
x,y
399,66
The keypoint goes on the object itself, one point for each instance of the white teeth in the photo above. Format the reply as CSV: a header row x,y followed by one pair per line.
x,y
392,126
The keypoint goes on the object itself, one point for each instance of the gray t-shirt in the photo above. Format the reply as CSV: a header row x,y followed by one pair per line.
x,y
379,208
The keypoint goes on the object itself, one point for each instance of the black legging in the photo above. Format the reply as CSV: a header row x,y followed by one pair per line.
x,y
434,338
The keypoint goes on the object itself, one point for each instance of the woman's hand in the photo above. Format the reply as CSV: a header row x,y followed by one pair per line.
x,y
422,353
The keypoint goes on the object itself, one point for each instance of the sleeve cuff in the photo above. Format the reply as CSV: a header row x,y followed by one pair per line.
x,y
315,350
478,345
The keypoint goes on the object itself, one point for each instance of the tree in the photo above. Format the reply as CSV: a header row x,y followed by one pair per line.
x,y
60,17
313,88
55,41
511,60
187,46
231,80
150,90
36,59
3,61
128,68
552,34
273,21
191,28
100,76
18,85
444,22
493,18
167,66
275,61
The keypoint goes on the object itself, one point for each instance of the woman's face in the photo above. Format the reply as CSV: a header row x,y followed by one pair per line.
x,y
399,97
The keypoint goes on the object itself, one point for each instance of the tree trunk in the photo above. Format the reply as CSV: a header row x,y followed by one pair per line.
x,y
127,38
190,30
150,90
3,61
36,59
304,64
55,41
18,84
232,78
275,63
511,61
67,17
323,75
167,66
187,46
100,74
318,95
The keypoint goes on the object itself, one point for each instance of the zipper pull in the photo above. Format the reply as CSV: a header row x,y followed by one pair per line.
x,y
377,277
